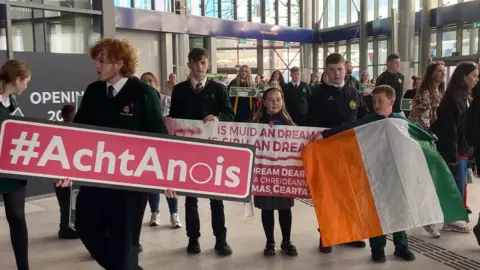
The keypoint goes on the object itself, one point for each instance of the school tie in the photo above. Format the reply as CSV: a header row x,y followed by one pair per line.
x,y
110,91
198,87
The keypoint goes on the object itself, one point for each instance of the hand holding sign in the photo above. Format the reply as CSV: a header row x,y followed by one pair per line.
x,y
64,183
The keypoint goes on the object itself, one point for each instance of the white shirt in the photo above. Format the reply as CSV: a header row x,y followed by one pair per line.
x,y
166,101
117,86
5,104
296,84
202,81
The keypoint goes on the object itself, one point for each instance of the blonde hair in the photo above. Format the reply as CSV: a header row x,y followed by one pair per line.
x,y
284,116
250,82
10,71
155,79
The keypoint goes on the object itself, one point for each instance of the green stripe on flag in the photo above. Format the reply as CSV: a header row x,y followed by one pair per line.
x,y
447,190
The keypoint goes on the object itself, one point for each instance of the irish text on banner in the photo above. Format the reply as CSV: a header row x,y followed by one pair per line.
x,y
278,166
125,160
379,178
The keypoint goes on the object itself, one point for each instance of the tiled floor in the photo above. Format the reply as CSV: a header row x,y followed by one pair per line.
x,y
164,248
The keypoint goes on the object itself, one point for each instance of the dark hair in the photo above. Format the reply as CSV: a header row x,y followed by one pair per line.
x,y
281,80
10,71
457,89
322,79
428,83
393,56
414,80
294,69
68,111
116,50
196,54
284,116
334,58
384,89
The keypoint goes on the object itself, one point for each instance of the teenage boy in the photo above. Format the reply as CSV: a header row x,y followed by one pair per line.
x,y
383,100
297,94
394,79
63,194
200,99
108,219
334,103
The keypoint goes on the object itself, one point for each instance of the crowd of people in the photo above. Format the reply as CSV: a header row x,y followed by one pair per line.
x,y
109,221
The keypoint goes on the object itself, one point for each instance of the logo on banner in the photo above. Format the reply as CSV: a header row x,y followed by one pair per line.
x,y
117,159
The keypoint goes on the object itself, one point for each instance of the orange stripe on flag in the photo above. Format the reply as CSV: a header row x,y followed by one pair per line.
x,y
340,190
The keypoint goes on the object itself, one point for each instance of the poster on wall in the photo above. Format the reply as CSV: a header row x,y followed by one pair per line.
x,y
57,79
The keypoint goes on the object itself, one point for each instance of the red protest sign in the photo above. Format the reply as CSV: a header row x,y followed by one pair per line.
x,y
121,160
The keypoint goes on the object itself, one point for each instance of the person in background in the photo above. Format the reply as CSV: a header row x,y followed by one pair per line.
x,y
394,78
365,78
297,94
367,96
108,220
332,104
206,100
472,135
168,88
349,78
373,81
243,107
273,112
14,78
258,79
450,130
416,81
278,76
324,78
63,194
314,80
154,198
424,107
383,99
152,80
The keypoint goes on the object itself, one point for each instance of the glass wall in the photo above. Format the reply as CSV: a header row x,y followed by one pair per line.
x,y
277,56
35,30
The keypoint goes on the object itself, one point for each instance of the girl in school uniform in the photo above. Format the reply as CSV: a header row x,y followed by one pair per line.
x,y
273,112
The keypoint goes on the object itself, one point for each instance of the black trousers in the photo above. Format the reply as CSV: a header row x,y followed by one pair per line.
x,y
285,220
107,223
15,212
63,198
192,220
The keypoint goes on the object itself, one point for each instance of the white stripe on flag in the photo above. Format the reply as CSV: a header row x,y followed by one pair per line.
x,y
398,174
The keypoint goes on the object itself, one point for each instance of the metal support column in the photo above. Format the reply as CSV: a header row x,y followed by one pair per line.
x,y
109,18
406,35
212,49
260,57
425,36
363,46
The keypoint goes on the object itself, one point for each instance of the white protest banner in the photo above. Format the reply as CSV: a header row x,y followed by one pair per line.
x,y
278,167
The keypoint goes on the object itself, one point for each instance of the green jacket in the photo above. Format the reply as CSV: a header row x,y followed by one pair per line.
x,y
8,185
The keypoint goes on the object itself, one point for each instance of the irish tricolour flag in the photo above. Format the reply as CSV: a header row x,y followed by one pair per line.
x,y
378,178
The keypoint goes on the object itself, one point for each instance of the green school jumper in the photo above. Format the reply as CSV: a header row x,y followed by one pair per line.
x,y
8,185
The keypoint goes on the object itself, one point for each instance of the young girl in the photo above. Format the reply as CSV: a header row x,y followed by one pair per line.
x,y
14,78
273,112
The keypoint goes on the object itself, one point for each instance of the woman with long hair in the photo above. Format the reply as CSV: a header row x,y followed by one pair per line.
x,y
365,78
244,107
278,76
324,78
425,104
154,198
450,129
427,99
14,78
273,112
314,80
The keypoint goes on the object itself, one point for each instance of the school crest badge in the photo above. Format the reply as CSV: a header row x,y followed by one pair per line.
x,y
352,104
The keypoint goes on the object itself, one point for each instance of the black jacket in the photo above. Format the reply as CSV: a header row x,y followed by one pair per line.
x,y
450,128
296,101
352,81
331,106
472,124
395,80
